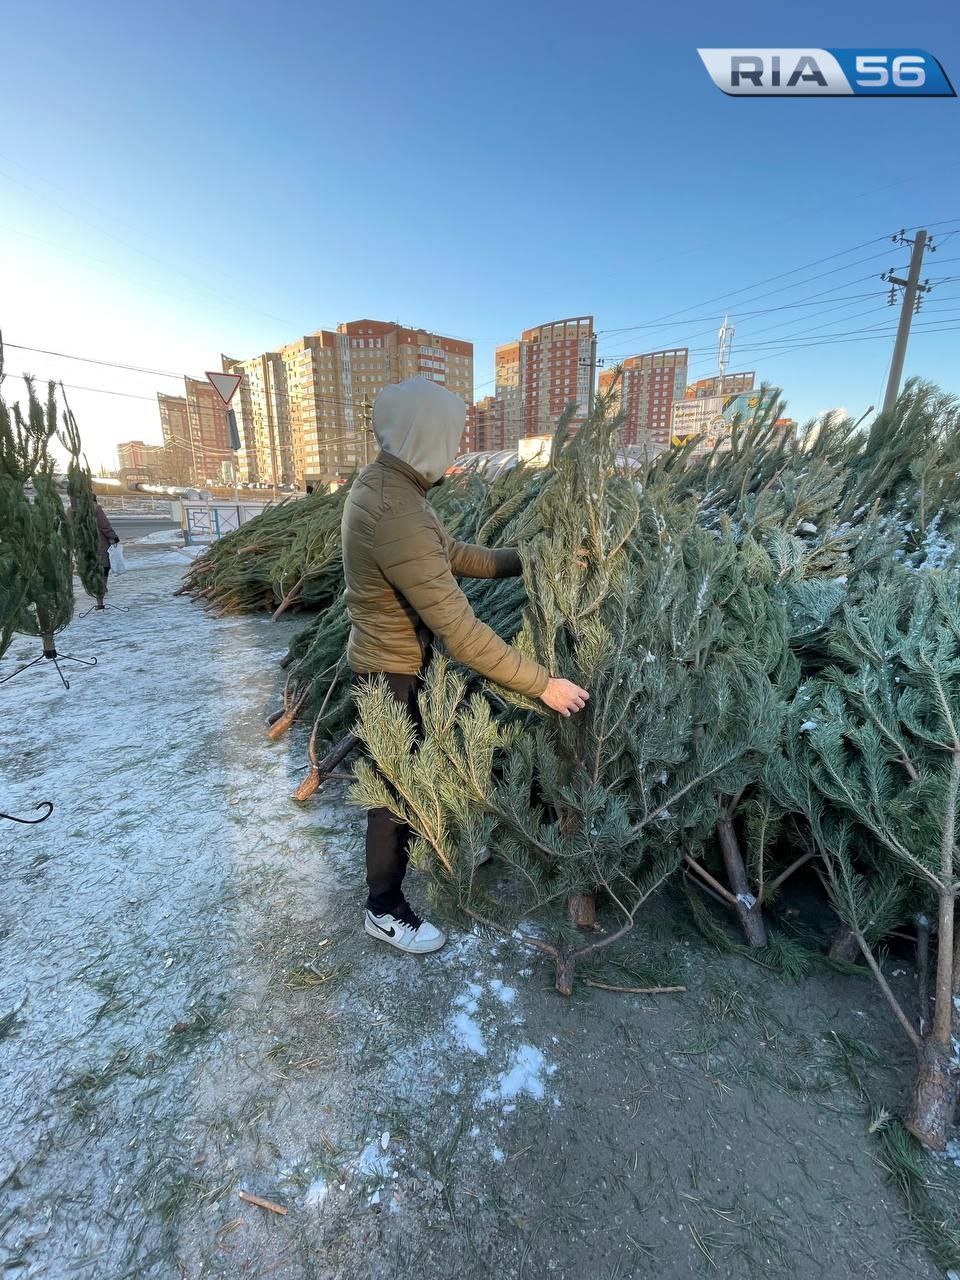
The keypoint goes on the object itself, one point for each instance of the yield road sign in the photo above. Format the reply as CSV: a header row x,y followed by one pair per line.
x,y
225,384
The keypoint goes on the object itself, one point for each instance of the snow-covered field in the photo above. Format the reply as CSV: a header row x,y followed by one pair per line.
x,y
188,1008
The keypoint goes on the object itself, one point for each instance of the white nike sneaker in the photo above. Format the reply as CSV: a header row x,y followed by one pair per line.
x,y
405,931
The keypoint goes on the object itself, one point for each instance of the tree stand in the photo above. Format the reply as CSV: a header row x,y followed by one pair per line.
x,y
32,822
101,607
51,654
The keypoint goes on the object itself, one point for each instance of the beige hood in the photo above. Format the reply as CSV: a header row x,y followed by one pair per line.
x,y
420,423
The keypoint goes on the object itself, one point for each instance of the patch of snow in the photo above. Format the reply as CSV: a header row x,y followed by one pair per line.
x,y
525,1075
468,1032
497,1155
470,1001
178,557
505,994
808,726
160,537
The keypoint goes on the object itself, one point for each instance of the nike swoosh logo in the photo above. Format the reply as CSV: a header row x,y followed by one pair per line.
x,y
390,933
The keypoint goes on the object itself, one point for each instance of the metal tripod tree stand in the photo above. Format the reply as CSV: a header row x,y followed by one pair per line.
x,y
103,608
31,822
51,654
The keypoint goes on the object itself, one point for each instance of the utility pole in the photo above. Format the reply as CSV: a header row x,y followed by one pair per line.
x,y
366,425
913,290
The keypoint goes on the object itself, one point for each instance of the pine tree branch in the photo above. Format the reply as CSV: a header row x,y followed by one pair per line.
x,y
885,988
774,885
879,831
707,878
891,738
944,703
537,943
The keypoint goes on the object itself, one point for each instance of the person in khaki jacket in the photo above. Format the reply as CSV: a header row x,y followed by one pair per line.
x,y
401,568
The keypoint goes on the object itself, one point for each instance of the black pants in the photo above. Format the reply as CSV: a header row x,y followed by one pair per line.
x,y
388,839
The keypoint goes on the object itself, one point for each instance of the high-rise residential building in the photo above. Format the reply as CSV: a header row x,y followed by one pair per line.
x,y
175,425
557,366
538,375
647,388
261,409
150,459
507,391
212,458
304,412
486,426
733,384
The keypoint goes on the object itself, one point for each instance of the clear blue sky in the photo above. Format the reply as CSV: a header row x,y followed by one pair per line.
x,y
181,180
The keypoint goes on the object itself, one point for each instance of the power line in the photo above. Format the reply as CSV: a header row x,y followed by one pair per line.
x,y
722,297
109,364
840,305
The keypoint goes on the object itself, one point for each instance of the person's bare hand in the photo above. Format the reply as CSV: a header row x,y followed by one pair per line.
x,y
564,696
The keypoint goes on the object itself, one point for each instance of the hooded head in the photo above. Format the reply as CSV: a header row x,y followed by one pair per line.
x,y
421,424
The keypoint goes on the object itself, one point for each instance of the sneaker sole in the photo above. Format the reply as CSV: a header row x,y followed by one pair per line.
x,y
398,946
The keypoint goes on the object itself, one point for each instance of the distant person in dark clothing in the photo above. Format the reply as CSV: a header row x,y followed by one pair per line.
x,y
108,538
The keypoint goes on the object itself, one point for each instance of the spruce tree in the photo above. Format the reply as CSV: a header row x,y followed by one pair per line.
x,y
36,532
623,597
872,760
83,520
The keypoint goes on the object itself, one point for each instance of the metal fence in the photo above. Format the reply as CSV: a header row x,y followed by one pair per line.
x,y
207,521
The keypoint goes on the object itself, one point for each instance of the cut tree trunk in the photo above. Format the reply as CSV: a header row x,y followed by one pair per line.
x,y
582,910
323,768
565,960
748,908
282,723
844,946
289,598
934,1097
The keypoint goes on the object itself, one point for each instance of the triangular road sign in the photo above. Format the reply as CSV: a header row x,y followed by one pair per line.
x,y
225,384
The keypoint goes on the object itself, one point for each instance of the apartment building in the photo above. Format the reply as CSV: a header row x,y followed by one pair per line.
x,y
557,366
212,457
540,373
175,427
487,426
304,412
507,391
648,386
261,408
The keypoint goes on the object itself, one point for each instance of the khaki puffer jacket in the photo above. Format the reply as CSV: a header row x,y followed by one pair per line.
x,y
399,564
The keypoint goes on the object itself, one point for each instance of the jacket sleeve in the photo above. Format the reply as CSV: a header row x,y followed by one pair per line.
x,y
104,525
469,561
411,554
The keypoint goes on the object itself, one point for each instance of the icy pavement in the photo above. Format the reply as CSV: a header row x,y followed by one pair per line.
x,y
188,1008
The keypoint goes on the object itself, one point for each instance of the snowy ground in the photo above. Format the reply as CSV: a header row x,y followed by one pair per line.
x,y
188,1011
